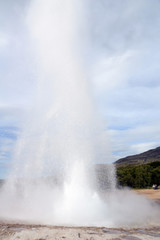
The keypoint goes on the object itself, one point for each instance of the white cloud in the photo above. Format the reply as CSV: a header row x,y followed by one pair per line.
x,y
125,38
135,140
17,79
4,41
142,147
112,71
11,116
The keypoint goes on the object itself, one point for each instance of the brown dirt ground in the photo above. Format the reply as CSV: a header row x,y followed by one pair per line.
x,y
150,193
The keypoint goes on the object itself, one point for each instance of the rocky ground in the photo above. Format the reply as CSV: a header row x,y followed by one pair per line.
x,y
37,232
14,231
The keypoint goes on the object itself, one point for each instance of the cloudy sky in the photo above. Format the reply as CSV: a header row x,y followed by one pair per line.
x,y
128,73
122,59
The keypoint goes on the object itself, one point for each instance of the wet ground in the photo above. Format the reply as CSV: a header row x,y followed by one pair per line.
x,y
39,232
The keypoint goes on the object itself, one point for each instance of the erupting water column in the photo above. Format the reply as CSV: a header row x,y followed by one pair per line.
x,y
65,111
62,135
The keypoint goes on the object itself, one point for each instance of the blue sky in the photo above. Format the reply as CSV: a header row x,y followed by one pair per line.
x,y
122,59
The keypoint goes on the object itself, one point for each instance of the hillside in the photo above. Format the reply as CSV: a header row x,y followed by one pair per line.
x,y
152,155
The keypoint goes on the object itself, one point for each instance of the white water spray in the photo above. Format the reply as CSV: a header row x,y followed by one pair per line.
x,y
62,136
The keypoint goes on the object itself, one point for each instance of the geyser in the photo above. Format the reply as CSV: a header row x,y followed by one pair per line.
x,y
52,177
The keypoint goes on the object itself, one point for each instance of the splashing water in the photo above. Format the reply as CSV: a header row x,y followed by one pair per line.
x,y
62,136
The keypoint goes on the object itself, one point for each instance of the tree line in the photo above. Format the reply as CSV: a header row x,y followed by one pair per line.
x,y
141,176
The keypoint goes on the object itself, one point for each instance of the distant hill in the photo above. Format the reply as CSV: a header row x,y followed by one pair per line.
x,y
152,155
